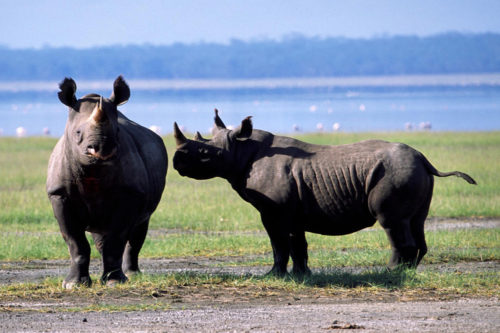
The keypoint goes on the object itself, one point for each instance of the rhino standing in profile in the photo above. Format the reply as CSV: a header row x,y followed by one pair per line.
x,y
106,175
330,190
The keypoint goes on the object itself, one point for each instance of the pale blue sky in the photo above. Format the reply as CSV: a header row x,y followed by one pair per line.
x,y
85,23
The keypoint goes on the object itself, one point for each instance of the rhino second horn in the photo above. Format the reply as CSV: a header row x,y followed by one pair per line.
x,y
200,138
179,137
98,115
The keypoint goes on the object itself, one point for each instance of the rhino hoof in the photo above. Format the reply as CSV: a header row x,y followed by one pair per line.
x,y
112,282
129,274
277,272
68,285
113,278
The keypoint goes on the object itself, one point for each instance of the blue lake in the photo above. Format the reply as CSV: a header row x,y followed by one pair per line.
x,y
472,108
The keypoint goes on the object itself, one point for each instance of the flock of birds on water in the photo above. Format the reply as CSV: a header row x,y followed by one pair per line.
x,y
320,127
21,132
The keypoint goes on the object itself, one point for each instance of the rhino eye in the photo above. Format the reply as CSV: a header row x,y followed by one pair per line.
x,y
79,136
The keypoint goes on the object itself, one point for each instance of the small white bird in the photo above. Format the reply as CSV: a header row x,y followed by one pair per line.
x,y
21,132
426,125
156,129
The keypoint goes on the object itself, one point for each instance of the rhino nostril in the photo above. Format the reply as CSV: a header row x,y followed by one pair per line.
x,y
92,149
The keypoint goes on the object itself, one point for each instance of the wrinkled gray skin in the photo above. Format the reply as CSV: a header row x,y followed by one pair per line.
x,y
106,175
330,190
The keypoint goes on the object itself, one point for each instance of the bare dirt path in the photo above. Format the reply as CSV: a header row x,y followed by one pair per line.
x,y
467,315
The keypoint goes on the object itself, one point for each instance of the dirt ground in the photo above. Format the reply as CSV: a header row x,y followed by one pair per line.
x,y
213,309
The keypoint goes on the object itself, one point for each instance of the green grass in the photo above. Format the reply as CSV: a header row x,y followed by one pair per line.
x,y
365,249
213,206
208,219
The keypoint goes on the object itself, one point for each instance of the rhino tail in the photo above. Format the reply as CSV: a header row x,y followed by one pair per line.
x,y
432,170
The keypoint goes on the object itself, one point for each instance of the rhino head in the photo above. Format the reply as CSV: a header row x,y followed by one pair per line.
x,y
92,129
207,158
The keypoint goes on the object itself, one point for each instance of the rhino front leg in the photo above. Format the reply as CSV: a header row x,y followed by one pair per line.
x,y
280,242
78,246
299,253
79,250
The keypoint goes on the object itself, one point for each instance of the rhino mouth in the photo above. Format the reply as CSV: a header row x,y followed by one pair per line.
x,y
91,152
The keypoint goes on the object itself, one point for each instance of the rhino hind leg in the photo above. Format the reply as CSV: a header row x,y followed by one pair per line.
x,y
134,244
401,204
111,247
417,226
298,251
404,247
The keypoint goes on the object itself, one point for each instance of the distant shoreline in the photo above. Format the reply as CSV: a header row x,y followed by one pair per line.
x,y
445,80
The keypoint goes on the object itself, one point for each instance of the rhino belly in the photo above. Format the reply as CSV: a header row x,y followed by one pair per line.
x,y
333,201
338,223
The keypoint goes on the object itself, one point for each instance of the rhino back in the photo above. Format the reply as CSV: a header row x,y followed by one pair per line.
x,y
328,185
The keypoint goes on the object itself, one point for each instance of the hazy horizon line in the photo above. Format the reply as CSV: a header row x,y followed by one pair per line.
x,y
411,80
256,39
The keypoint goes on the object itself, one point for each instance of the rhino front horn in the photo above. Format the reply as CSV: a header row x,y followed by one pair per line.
x,y
179,137
98,115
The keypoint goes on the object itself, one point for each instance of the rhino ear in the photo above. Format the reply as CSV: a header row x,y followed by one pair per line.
x,y
244,131
219,124
67,93
121,91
